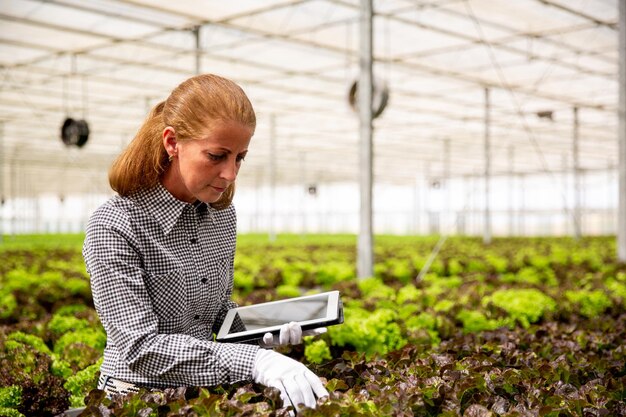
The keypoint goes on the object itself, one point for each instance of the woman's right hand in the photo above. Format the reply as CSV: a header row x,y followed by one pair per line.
x,y
296,383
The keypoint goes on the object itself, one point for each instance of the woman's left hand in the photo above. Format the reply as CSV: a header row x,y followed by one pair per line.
x,y
290,334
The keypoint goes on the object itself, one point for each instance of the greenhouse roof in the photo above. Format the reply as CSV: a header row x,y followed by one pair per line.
x,y
109,61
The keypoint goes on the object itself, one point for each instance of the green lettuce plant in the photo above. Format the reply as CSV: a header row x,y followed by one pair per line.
x,y
80,348
475,321
408,293
316,351
26,363
375,288
31,340
499,264
243,281
524,305
590,303
8,304
617,286
331,272
82,382
426,322
60,324
370,332
287,291
10,412
11,396
531,275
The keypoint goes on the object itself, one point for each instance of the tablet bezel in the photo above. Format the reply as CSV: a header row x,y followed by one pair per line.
x,y
334,315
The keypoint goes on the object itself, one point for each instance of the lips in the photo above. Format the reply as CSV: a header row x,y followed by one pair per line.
x,y
218,189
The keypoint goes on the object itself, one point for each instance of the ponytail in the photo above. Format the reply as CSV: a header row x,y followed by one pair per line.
x,y
143,161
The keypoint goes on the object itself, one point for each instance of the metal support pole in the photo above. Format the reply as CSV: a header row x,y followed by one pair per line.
x,y
463,214
608,224
471,204
522,204
2,196
433,223
258,184
196,35
304,193
447,211
416,203
576,160
565,175
487,225
365,249
13,180
511,188
272,231
621,216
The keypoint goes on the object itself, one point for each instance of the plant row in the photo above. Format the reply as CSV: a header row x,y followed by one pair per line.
x,y
519,327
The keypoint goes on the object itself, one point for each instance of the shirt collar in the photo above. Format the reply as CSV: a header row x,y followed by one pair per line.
x,y
163,206
202,207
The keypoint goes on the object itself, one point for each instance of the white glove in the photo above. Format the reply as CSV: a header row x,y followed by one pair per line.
x,y
290,334
296,383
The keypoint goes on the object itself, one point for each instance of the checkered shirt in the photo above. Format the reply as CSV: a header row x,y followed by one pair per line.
x,y
162,277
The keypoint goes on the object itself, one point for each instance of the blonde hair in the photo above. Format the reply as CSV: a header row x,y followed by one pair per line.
x,y
192,107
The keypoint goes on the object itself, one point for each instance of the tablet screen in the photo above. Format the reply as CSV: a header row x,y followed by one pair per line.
x,y
270,314
311,311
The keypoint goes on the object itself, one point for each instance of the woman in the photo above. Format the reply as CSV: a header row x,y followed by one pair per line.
x,y
160,253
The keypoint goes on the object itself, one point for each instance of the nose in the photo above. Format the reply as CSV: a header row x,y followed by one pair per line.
x,y
230,169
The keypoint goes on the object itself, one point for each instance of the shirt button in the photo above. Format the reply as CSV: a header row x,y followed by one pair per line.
x,y
193,240
204,280
196,317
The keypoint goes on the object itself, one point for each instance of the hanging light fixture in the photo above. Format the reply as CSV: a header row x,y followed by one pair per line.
x,y
74,132
380,97
546,115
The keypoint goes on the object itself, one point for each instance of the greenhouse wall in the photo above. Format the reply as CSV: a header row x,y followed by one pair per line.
x,y
520,206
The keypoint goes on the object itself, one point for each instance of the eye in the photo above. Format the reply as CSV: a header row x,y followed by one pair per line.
x,y
214,157
241,157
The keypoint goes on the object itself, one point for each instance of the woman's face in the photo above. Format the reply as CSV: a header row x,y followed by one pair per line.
x,y
203,168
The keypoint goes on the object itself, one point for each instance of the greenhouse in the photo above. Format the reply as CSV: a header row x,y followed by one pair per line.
x,y
455,169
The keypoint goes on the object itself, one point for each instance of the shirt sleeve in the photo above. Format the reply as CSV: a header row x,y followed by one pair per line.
x,y
114,262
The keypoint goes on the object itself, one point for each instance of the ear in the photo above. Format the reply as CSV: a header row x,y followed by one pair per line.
x,y
169,141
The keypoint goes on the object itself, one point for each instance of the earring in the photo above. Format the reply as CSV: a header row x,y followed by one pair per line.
x,y
171,158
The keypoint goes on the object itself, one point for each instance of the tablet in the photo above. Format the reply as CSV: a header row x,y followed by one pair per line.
x,y
249,323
